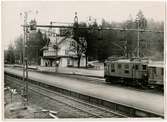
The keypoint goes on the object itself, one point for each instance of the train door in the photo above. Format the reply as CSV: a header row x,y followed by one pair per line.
x,y
106,68
119,68
109,69
135,70
144,72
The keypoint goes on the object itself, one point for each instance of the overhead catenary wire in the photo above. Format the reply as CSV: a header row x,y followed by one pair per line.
x,y
96,28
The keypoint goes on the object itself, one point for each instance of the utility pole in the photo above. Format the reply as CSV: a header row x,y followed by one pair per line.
x,y
138,39
25,59
125,44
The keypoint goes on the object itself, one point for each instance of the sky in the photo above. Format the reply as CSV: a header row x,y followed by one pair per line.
x,y
63,11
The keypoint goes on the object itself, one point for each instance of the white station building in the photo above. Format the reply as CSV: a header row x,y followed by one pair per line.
x,y
60,52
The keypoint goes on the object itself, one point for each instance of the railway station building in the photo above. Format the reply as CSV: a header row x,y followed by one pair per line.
x,y
60,52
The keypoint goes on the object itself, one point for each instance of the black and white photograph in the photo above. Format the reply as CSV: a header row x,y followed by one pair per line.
x,y
83,60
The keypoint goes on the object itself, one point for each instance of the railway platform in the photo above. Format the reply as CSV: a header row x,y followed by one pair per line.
x,y
141,100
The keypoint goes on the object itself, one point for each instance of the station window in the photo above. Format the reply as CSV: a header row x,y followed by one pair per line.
x,y
126,66
119,66
68,61
66,52
72,44
144,67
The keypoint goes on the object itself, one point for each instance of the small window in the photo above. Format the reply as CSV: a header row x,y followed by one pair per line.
x,y
112,68
126,71
136,67
104,64
126,66
68,61
119,66
72,44
66,52
144,67
154,70
162,71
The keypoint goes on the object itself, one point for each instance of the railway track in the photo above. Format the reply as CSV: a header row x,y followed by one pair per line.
x,y
93,111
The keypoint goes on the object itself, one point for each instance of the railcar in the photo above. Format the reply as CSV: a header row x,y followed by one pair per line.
x,y
136,72
127,71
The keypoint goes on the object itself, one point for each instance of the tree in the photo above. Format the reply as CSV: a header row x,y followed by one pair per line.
x,y
92,37
141,23
10,56
151,43
129,36
19,49
35,43
85,39
79,36
110,43
141,20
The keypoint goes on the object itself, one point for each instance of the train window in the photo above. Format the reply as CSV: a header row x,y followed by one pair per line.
x,y
126,66
126,71
154,70
144,67
162,71
112,68
119,66
136,67
104,64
